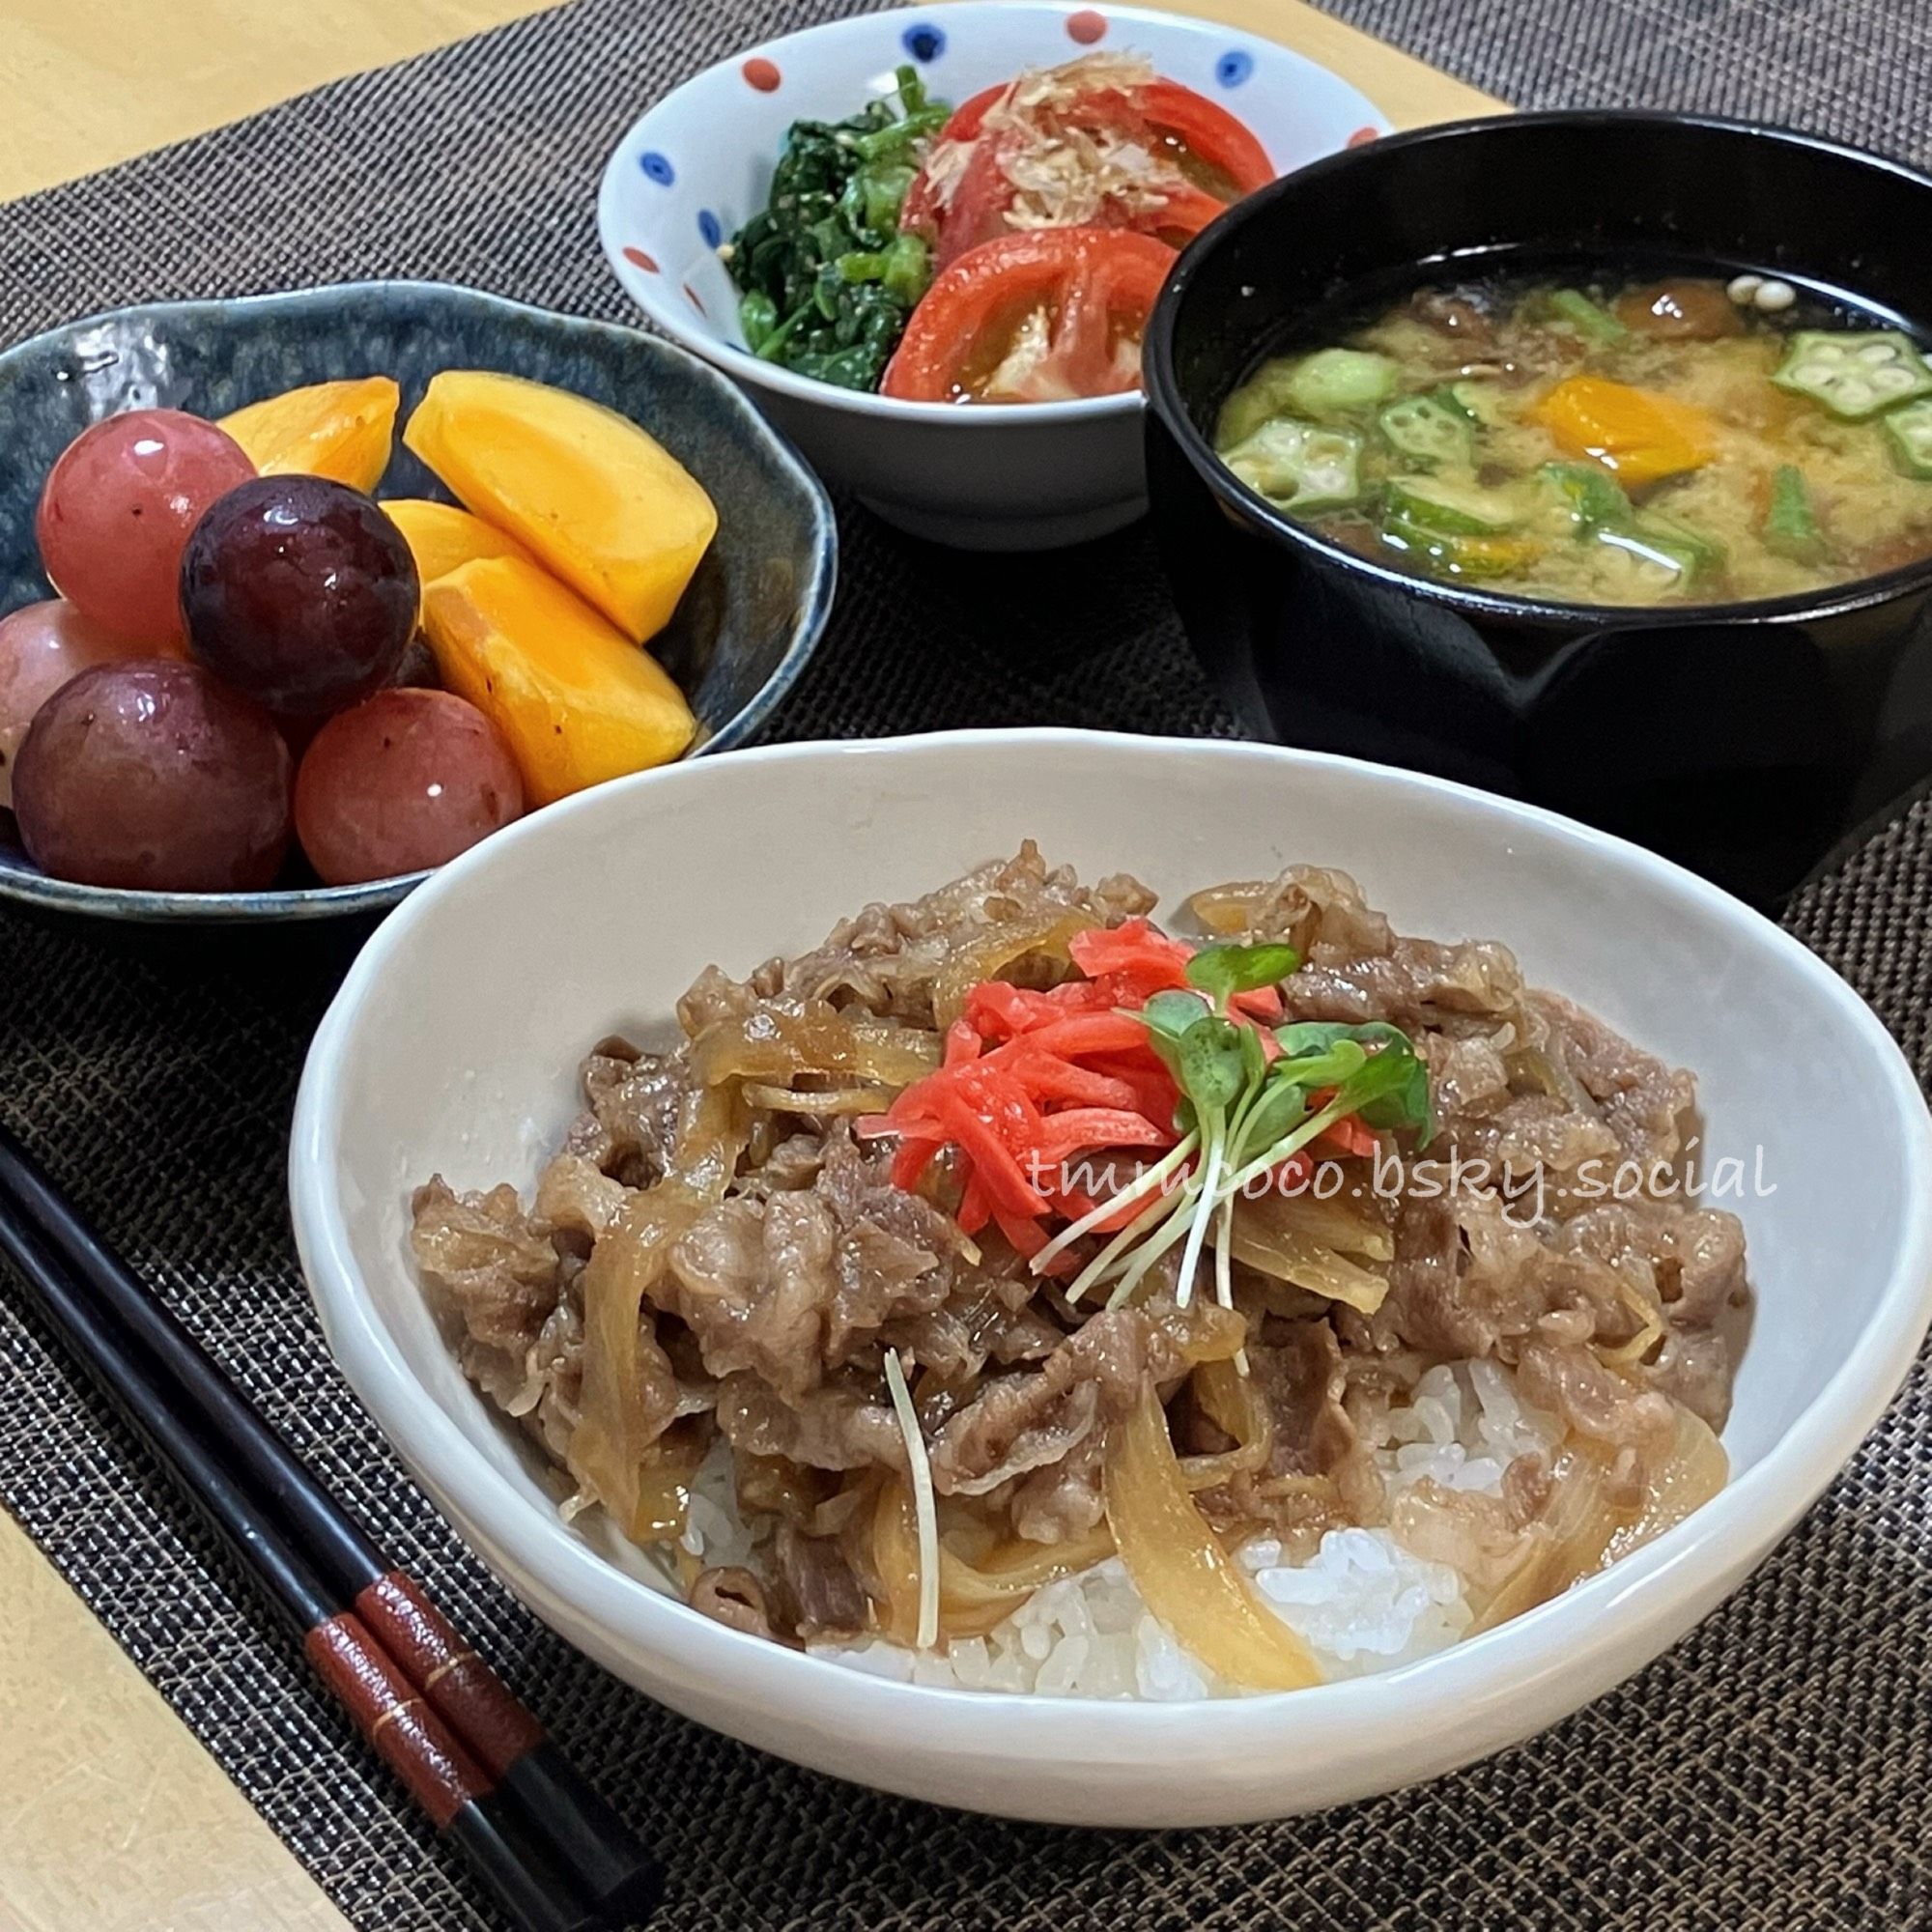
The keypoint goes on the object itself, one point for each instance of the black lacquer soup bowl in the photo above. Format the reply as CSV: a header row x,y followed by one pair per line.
x,y
1749,740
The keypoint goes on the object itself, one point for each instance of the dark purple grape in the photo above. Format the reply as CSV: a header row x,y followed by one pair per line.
x,y
300,593
153,775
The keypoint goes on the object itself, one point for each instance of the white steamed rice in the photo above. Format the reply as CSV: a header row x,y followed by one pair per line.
x,y
1361,1603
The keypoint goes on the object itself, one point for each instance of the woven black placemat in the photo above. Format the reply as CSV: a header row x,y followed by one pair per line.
x,y
1768,1776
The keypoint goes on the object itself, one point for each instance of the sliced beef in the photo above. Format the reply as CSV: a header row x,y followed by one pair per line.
x,y
801,1281
1570,1379
552,1391
1690,1266
793,1163
1063,1501
830,1427
889,958
498,1267
1015,1423
752,1280
816,1593
1319,912
1031,1419
1301,1381
1416,984
634,1102
1642,1100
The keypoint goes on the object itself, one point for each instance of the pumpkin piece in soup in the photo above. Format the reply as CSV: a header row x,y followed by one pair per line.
x,y
599,502
343,431
1641,436
576,700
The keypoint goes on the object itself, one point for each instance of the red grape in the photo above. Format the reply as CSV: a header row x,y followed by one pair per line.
x,y
405,781
117,510
153,774
300,593
42,646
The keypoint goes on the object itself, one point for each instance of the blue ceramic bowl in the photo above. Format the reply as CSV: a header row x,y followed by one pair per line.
x,y
742,634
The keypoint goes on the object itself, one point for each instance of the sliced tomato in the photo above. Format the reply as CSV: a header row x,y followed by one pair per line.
x,y
921,212
1207,131
1217,156
1038,316
968,115
976,212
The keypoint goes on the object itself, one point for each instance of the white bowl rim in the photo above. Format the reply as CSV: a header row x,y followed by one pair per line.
x,y
743,364
1588,1625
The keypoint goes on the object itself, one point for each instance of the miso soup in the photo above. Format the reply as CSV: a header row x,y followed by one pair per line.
x,y
1684,441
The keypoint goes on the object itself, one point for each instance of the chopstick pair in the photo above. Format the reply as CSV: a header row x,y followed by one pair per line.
x,y
553,1853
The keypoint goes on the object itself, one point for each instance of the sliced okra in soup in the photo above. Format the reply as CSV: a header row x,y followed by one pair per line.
x,y
1300,466
1663,555
1480,400
1591,498
1908,433
1428,431
1854,374
1595,323
1452,506
1457,529
1453,554
1791,527
1342,383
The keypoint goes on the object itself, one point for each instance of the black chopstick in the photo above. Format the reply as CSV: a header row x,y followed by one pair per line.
x,y
557,1857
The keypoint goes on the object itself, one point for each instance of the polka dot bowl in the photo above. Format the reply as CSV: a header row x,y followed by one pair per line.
x,y
694,168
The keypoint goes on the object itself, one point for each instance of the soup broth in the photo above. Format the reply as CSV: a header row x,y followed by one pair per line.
x,y
1680,441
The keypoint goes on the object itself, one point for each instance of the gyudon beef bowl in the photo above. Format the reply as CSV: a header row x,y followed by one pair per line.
x,y
1261,1295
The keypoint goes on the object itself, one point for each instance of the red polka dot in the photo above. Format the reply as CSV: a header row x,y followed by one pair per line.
x,y
638,259
690,296
1362,136
1085,26
761,74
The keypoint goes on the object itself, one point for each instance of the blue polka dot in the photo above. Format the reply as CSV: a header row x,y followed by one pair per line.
x,y
924,42
1233,67
656,167
707,226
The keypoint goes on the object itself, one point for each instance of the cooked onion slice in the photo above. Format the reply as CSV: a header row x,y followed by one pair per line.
x,y
1582,1531
1190,1584
974,1598
841,1100
990,958
1229,1400
630,1396
775,1046
1690,1472
1271,1235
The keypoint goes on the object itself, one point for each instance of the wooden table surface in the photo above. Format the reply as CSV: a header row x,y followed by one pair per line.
x,y
112,1817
